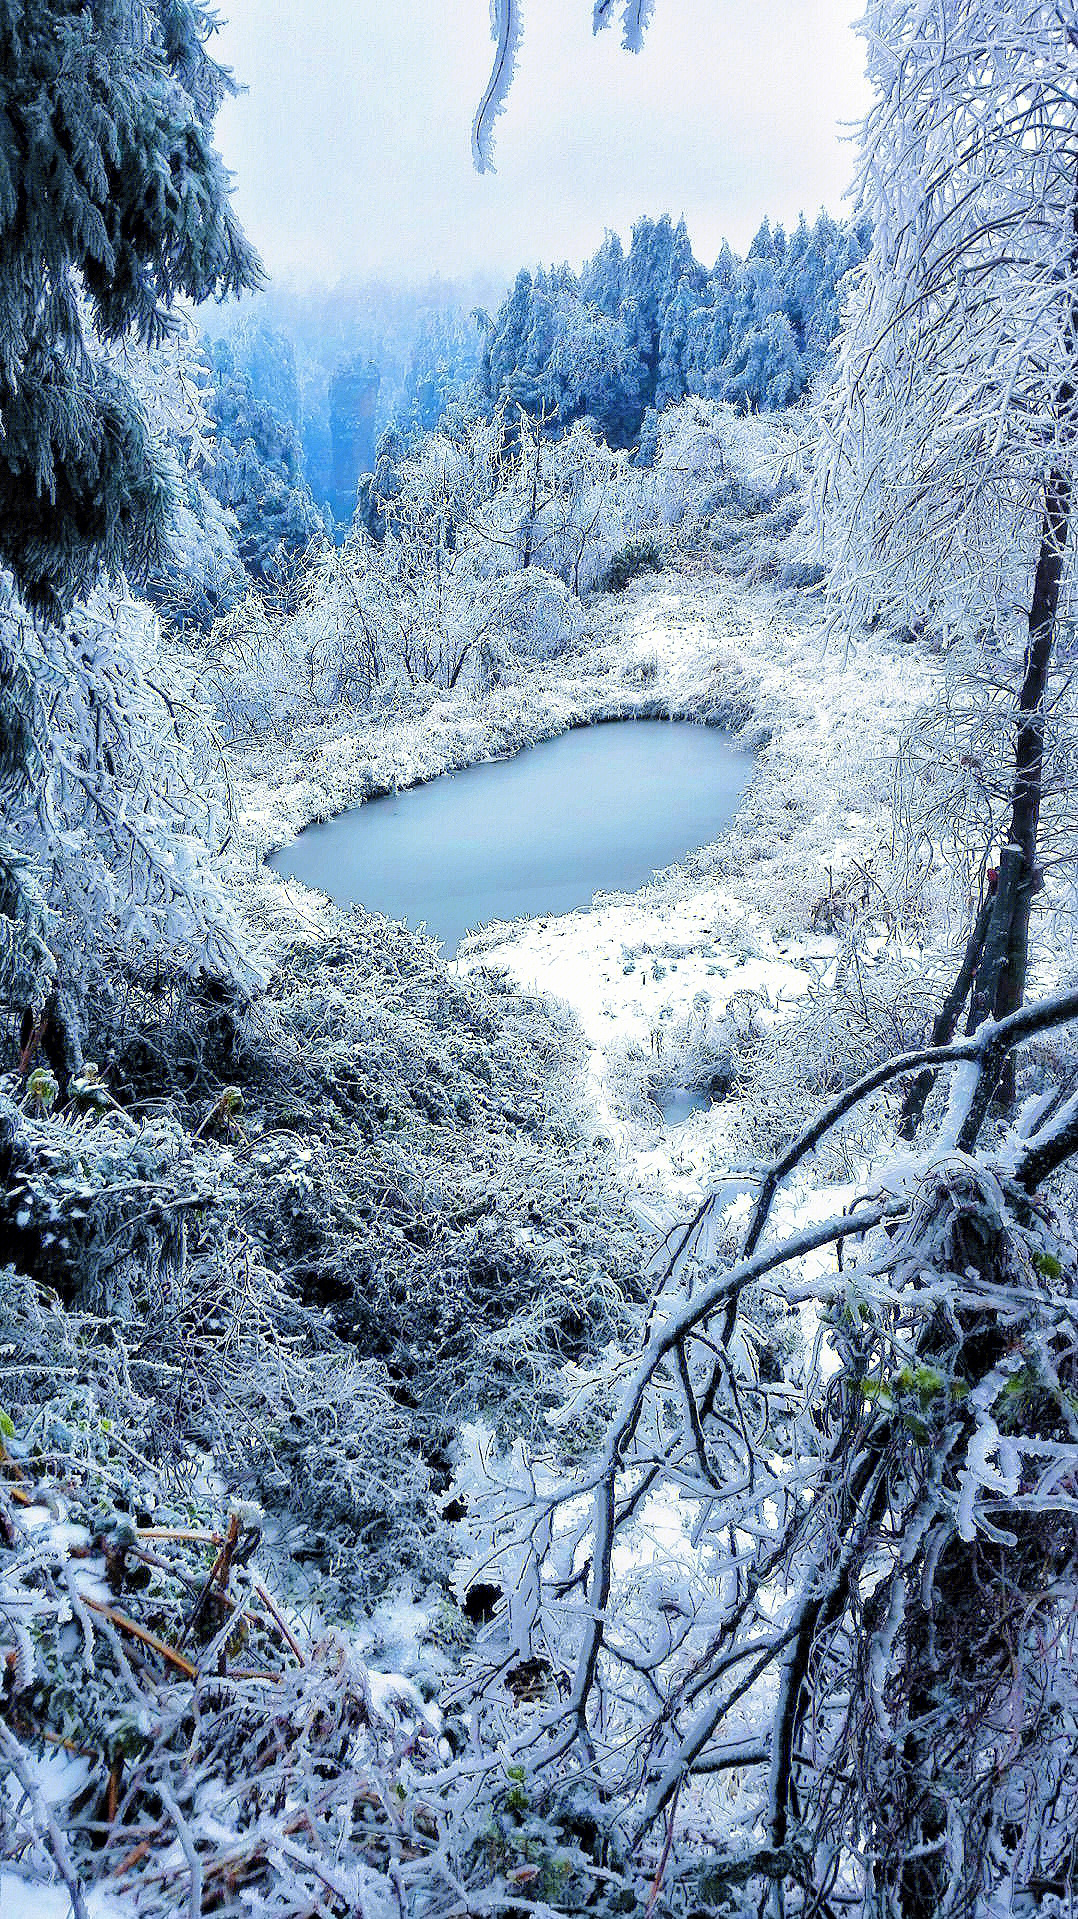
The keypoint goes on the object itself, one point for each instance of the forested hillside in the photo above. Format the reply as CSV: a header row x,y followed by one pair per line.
x,y
635,332
305,393
408,349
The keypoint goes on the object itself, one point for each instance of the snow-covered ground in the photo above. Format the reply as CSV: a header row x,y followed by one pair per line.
x,y
739,929
642,972
661,983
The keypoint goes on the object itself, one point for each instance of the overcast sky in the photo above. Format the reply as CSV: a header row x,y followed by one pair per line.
x,y
351,147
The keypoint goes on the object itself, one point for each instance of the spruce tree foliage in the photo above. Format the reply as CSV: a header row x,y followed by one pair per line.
x,y
113,202
257,470
441,363
637,332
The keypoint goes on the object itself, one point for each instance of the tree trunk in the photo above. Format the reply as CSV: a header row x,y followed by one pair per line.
x,y
1000,982
1029,744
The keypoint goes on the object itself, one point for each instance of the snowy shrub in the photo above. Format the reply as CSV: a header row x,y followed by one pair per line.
x,y
377,626
801,573
258,676
708,458
537,617
118,824
736,1605
640,556
698,1051
372,1228
256,1314
863,1011
702,1051
481,557
152,1646
488,534
564,502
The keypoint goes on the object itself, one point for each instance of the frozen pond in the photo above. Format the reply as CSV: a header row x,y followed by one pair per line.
x,y
595,810
680,1102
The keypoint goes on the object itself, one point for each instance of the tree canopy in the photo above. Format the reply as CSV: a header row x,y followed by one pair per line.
x,y
113,203
639,331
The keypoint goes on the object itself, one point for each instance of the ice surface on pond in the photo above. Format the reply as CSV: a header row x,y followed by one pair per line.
x,y
598,809
678,1103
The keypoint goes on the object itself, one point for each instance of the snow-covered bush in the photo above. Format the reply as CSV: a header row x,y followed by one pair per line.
x,y
797,1609
402,1199
382,626
565,502
155,1654
861,1012
537,616
257,1315
705,457
198,572
697,1051
117,827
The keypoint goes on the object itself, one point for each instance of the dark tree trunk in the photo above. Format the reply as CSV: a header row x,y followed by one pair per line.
x,y
998,987
1009,935
1029,743
994,951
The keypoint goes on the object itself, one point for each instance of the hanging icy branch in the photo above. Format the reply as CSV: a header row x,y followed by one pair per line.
x,y
635,19
507,26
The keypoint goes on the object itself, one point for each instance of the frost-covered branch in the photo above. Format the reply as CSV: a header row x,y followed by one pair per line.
x,y
507,30
739,1583
120,813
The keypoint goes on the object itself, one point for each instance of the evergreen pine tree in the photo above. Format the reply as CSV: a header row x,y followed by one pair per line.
x,y
258,463
112,203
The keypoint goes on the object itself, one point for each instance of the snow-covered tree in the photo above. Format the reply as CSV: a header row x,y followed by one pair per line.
x,y
946,488
123,814
112,200
802,1605
198,573
441,361
257,469
113,203
802,1611
639,332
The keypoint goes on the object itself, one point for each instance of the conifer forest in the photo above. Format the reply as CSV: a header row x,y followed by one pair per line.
x,y
538,1001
